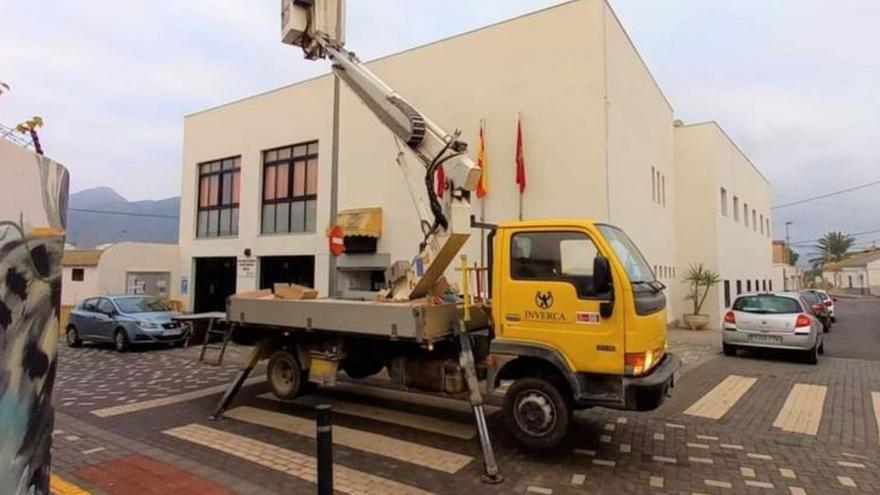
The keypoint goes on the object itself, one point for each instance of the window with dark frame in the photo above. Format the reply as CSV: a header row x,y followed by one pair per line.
x,y
219,190
727,293
290,189
77,274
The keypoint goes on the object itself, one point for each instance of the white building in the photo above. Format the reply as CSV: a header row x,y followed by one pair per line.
x,y
599,143
124,268
857,274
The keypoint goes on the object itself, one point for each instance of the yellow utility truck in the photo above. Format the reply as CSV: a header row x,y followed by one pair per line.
x,y
574,319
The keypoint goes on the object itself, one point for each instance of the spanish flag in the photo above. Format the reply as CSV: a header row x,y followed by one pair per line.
x,y
483,186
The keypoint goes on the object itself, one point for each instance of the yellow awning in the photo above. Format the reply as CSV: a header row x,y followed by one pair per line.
x,y
364,222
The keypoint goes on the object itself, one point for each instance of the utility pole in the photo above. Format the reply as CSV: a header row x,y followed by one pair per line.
x,y
788,242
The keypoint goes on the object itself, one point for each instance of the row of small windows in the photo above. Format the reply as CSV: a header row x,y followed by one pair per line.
x,y
758,221
289,192
664,272
658,187
759,286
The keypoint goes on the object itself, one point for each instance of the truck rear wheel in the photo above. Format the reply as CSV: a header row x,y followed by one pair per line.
x,y
537,413
285,375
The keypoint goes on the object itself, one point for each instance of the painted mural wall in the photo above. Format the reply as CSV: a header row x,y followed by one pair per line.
x,y
33,211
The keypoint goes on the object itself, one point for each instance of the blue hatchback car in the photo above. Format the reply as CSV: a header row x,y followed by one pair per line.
x,y
124,321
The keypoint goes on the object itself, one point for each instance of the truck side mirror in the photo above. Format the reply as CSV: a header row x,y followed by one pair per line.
x,y
601,275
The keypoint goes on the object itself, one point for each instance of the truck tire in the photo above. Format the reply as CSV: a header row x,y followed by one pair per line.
x,y
285,375
537,413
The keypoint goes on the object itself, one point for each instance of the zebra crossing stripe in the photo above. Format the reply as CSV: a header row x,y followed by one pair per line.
x,y
401,450
384,415
167,401
346,480
802,411
715,403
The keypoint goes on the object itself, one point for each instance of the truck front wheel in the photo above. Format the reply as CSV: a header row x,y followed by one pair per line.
x,y
285,375
537,413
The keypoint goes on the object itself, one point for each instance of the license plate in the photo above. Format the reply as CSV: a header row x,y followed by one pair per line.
x,y
766,339
171,333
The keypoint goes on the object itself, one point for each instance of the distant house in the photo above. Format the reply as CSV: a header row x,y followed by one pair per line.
x,y
123,268
786,277
859,273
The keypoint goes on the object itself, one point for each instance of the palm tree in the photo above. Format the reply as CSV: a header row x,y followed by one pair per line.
x,y
30,127
700,279
834,246
793,257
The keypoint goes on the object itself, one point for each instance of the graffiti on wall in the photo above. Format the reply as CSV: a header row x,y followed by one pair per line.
x,y
33,207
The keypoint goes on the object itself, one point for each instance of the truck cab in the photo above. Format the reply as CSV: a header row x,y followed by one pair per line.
x,y
580,321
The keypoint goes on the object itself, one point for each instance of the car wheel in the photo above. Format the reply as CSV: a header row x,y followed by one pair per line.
x,y
729,350
537,413
285,375
120,340
812,356
72,337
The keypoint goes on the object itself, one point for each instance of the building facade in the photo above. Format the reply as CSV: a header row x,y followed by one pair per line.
x,y
123,268
859,273
786,277
599,143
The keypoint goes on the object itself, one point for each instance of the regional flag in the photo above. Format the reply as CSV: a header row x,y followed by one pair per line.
x,y
520,158
441,181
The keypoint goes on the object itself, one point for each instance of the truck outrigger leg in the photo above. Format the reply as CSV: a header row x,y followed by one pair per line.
x,y
256,355
475,397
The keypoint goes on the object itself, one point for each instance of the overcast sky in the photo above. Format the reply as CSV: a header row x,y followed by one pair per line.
x,y
794,82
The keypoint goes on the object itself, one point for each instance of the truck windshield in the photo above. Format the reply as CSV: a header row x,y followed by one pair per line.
x,y
636,267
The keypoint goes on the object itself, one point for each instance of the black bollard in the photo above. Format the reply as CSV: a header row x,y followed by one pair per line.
x,y
325,450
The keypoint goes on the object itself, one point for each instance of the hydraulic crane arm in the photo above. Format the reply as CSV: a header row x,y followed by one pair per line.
x,y
317,27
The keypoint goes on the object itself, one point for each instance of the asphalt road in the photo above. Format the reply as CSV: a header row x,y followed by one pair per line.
x,y
856,334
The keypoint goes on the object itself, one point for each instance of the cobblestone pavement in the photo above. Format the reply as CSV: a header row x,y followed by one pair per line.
x,y
750,424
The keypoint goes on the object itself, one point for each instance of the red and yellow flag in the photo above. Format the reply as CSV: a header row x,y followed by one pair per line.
x,y
483,186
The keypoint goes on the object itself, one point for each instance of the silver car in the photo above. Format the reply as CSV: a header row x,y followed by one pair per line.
x,y
124,321
779,321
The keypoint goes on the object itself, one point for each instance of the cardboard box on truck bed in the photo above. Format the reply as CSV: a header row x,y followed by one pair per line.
x,y
293,291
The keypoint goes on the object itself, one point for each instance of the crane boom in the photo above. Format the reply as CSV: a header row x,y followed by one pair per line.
x,y
317,27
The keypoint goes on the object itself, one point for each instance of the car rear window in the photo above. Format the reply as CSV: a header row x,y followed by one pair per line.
x,y
811,297
767,304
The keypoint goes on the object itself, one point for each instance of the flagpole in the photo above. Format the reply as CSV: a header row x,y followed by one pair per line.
x,y
482,203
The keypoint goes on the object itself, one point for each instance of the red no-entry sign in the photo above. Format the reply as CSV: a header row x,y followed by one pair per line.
x,y
337,246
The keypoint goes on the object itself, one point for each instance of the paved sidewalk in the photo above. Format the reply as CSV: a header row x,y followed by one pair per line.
x,y
694,347
97,461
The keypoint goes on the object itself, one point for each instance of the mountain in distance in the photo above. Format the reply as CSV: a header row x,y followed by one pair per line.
x,y
87,229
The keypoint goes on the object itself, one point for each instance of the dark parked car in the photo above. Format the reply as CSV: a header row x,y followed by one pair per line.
x,y
819,309
124,321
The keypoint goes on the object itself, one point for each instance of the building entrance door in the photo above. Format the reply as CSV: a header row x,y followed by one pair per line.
x,y
298,270
215,281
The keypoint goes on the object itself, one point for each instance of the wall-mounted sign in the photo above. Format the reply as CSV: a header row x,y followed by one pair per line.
x,y
184,285
247,268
